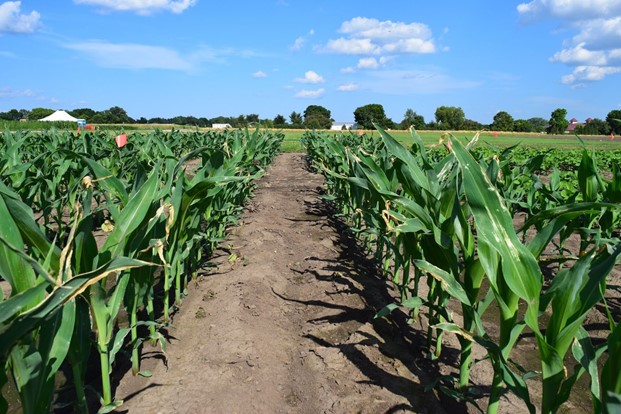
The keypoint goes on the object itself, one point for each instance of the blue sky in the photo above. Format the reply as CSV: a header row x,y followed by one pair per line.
x,y
163,58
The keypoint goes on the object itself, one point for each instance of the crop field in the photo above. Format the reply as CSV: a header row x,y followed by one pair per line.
x,y
464,232
92,227
498,252
292,138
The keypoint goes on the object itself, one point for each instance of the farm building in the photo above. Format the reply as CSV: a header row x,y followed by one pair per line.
x,y
221,126
573,123
339,126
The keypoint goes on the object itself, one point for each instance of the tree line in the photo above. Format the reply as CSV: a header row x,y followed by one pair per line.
x,y
317,117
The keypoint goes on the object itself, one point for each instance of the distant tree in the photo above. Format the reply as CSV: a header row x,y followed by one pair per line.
x,y
523,125
296,120
38,113
221,120
431,125
366,115
114,115
593,127
557,123
503,122
539,124
613,119
315,121
12,115
240,122
317,117
83,113
119,115
450,117
142,120
252,119
280,121
412,119
471,125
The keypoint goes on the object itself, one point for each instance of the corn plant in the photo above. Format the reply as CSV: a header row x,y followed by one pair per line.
x,y
450,216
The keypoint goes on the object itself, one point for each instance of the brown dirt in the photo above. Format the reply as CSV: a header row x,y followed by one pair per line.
x,y
284,323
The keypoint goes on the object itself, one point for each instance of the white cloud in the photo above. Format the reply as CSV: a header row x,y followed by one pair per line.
x,y
132,56
589,73
310,94
310,77
593,51
13,21
599,33
568,9
373,28
12,93
580,56
348,87
348,69
614,54
141,6
371,36
368,63
298,44
259,74
372,63
352,47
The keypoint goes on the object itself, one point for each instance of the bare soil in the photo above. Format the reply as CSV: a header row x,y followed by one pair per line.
x,y
284,321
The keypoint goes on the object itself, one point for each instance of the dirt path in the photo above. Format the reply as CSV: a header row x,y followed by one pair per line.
x,y
285,324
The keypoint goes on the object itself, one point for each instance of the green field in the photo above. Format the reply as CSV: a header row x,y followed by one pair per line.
x,y
291,142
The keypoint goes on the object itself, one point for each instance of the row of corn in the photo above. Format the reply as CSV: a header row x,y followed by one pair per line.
x,y
464,238
90,231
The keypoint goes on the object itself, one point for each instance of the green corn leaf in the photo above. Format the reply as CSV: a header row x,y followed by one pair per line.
x,y
31,233
589,181
414,171
31,319
496,234
131,217
13,306
447,280
610,379
13,268
107,180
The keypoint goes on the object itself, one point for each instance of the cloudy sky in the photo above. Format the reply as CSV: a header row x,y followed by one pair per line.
x,y
163,58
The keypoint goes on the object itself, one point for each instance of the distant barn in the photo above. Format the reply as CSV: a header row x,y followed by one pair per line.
x,y
573,123
340,126
221,126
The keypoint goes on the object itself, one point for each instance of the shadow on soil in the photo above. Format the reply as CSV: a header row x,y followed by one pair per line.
x,y
396,339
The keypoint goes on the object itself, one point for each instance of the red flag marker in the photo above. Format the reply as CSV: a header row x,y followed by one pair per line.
x,y
495,134
121,140
612,136
360,132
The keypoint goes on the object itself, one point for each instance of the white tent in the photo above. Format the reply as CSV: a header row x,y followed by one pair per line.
x,y
59,116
